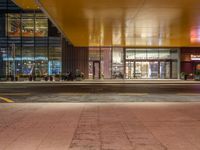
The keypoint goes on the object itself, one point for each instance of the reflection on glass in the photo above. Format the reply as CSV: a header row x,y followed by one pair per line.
x,y
152,54
28,60
34,54
138,70
174,54
164,54
14,25
27,24
41,61
90,71
153,70
152,63
27,27
118,63
129,70
130,54
106,63
144,70
41,27
141,54
174,70
165,70
54,60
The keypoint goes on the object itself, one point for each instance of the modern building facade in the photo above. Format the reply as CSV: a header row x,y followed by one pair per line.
x,y
134,63
30,44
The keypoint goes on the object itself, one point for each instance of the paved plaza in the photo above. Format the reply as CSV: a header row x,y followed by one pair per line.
x,y
100,116
100,126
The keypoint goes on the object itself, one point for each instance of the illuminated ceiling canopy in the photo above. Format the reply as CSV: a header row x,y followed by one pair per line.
x,y
137,23
26,4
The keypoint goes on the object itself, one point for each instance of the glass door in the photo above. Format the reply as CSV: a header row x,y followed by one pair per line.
x,y
129,70
165,69
138,70
145,67
96,70
141,70
153,70
90,69
174,70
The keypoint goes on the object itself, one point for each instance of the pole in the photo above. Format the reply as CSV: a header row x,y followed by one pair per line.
x,y
14,66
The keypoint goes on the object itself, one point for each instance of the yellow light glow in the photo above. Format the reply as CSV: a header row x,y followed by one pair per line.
x,y
156,23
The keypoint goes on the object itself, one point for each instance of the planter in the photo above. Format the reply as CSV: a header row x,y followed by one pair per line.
x,y
184,77
79,79
51,78
197,77
2,79
30,78
57,77
22,79
38,79
46,78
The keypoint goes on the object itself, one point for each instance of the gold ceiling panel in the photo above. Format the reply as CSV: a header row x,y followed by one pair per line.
x,y
137,23
26,4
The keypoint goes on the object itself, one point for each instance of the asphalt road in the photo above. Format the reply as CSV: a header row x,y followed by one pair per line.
x,y
75,92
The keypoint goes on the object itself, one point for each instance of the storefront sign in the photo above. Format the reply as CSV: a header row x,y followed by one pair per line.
x,y
195,57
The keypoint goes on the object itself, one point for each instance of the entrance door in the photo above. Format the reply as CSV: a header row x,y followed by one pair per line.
x,y
153,70
129,70
165,70
141,70
146,69
96,70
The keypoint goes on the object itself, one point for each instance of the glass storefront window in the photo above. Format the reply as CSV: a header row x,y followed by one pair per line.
x,y
152,54
152,64
164,54
35,53
54,60
28,64
165,69
90,71
130,54
118,55
174,70
41,27
129,70
118,63
141,54
14,25
174,54
153,70
138,70
28,25
106,63
41,61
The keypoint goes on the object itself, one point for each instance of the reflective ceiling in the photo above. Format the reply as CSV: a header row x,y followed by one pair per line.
x,y
130,23
26,4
